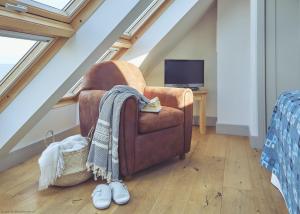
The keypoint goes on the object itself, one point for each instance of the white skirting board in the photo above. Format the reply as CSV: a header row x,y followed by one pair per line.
x,y
210,121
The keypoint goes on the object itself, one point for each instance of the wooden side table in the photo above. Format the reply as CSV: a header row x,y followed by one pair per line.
x,y
200,96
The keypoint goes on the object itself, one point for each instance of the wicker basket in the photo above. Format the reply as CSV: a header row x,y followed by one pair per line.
x,y
75,171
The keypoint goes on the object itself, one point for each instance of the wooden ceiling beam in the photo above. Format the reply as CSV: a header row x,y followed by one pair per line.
x,y
32,24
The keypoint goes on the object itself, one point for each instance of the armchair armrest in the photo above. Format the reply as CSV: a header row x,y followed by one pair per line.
x,y
127,135
89,109
180,98
171,97
89,112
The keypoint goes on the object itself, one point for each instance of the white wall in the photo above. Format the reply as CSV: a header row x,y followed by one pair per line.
x,y
199,43
57,119
233,49
282,50
254,67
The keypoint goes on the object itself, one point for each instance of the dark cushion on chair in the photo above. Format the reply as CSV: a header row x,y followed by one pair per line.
x,y
166,118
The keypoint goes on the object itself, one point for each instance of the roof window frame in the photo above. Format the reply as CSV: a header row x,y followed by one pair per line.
x,y
31,56
35,8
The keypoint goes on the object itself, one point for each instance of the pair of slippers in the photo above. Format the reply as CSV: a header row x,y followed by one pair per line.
x,y
104,193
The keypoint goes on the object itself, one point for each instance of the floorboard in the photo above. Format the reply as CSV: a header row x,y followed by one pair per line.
x,y
221,174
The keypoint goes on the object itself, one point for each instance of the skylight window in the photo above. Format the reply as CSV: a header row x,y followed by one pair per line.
x,y
24,48
143,17
108,55
58,4
60,10
18,51
63,7
11,52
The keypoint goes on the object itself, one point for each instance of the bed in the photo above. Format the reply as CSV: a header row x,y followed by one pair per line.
x,y
281,152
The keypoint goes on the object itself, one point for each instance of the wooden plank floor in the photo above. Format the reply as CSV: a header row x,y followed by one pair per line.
x,y
221,174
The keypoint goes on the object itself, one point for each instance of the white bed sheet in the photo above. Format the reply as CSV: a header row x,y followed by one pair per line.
x,y
276,183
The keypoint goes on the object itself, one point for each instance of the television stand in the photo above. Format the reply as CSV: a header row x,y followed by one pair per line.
x,y
194,88
200,96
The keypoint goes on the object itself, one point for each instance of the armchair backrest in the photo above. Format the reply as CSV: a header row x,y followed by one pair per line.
x,y
105,75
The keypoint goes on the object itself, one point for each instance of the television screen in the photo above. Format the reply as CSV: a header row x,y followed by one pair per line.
x,y
184,73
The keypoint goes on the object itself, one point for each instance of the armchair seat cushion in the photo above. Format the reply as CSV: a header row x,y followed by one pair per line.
x,y
168,117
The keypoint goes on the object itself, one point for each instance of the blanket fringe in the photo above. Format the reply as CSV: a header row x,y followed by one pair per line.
x,y
99,172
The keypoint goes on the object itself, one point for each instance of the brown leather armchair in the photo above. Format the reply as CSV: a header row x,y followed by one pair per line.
x,y
145,139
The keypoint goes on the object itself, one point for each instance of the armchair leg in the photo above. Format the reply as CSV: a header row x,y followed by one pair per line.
x,y
182,156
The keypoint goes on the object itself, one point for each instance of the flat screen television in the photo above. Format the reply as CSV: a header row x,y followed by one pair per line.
x,y
184,73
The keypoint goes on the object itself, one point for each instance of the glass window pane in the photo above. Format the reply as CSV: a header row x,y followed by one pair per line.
x,y
143,17
58,4
11,52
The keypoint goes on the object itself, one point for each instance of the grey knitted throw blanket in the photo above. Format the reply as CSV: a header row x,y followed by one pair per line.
x,y
103,158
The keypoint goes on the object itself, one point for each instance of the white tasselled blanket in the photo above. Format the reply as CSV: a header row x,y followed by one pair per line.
x,y
103,158
51,161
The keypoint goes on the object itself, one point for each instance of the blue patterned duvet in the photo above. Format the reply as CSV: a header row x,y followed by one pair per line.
x,y
281,152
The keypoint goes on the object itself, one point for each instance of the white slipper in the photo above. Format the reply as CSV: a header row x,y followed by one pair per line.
x,y
120,192
101,196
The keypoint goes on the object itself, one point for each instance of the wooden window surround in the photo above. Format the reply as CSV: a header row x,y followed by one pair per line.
x,y
31,69
32,24
41,10
155,4
20,68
